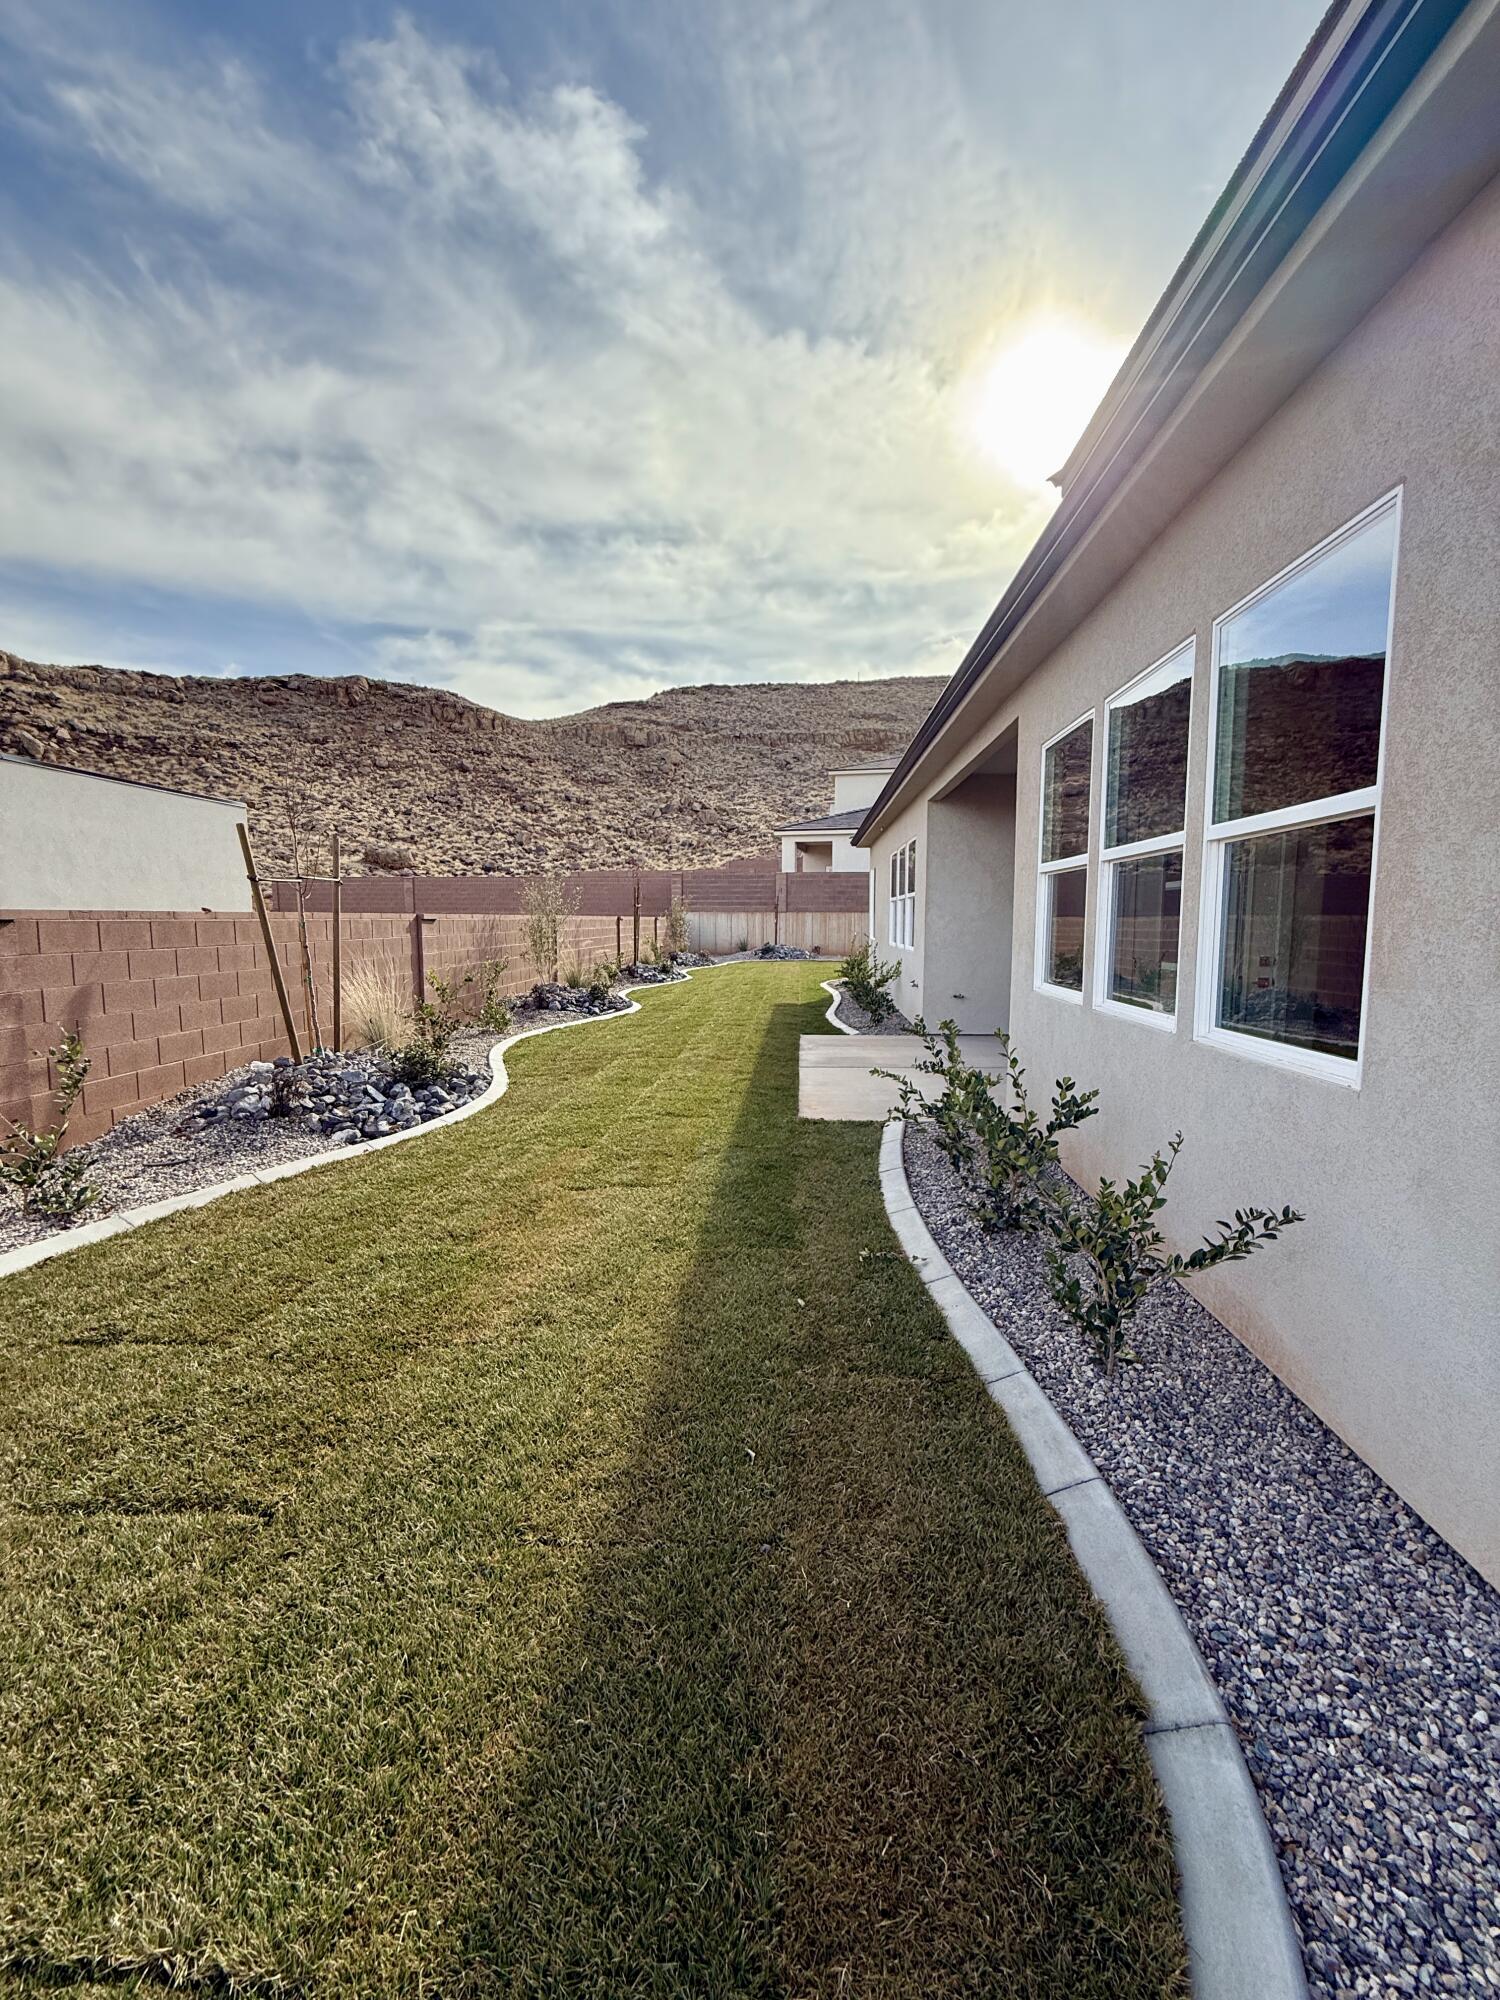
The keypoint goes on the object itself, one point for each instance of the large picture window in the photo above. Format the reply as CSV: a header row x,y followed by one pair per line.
x,y
1063,875
1145,808
1289,865
903,897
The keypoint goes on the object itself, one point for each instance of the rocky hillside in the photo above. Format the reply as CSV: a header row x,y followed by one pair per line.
x,y
414,777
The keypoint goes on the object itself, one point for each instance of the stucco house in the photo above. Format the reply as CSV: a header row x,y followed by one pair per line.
x,y
1209,814
826,843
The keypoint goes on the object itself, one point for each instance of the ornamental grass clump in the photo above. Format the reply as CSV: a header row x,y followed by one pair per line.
x,y
1108,1254
865,980
46,1180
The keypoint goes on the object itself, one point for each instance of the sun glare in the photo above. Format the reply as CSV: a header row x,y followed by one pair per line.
x,y
1030,400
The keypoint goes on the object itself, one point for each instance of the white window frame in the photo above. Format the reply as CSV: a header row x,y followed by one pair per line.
x,y
1218,837
903,896
1132,850
1041,940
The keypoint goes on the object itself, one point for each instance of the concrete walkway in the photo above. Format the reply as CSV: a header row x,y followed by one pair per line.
x,y
834,1080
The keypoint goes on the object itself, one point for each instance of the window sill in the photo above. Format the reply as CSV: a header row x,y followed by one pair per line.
x,y
1147,1016
1060,992
1283,1055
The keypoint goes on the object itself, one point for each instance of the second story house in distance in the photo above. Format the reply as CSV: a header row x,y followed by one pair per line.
x,y
825,842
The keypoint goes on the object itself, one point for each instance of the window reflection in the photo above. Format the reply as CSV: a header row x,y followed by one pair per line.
x,y
1147,919
1065,794
1068,895
1296,911
1300,677
1147,778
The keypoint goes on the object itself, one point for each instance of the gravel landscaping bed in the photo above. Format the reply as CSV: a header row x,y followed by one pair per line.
x,y
854,1016
1356,1653
222,1128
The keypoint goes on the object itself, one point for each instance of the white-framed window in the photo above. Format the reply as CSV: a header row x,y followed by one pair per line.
x,y
1063,864
1140,860
1295,765
903,898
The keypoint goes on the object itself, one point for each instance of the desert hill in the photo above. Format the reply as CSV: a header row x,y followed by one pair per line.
x,y
416,777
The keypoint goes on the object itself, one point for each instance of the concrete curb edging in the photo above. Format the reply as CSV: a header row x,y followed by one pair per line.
x,y
832,1013
61,1241
1241,1941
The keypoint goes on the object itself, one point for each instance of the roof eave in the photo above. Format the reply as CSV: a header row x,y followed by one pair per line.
x,y
1348,81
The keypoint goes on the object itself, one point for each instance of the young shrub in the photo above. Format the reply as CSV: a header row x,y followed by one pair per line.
x,y
493,1015
674,936
1124,1256
953,1114
47,1181
865,980
428,1056
1016,1150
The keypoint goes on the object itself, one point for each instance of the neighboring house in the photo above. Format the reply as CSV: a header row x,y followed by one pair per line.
x,y
1209,815
816,846
77,840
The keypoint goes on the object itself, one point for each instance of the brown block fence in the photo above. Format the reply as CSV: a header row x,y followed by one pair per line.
x,y
167,999
752,902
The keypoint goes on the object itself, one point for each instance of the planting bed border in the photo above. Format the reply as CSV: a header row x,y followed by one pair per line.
x,y
25,1255
1242,1944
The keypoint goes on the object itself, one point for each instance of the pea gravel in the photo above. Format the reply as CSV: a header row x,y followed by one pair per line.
x,y
1357,1654
854,1016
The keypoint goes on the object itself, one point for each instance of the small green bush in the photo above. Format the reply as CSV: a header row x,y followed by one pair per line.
x,y
47,1181
952,1115
1124,1257
865,980
1016,1151
428,1056
674,936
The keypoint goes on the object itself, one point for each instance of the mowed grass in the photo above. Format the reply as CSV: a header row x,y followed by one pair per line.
x,y
564,1556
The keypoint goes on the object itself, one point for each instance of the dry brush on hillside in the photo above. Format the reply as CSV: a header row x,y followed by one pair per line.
x,y
416,777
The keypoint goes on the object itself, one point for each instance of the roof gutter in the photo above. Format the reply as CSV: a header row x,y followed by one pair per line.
x,y
1354,72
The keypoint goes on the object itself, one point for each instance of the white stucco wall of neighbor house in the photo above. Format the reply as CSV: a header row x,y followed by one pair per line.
x,y
1383,1309
71,840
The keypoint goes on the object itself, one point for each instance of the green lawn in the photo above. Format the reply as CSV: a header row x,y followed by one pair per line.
x,y
564,1556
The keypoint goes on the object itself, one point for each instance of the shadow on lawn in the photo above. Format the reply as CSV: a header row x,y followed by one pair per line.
x,y
834,1715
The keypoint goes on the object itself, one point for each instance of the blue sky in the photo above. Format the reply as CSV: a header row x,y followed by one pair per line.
x,y
557,353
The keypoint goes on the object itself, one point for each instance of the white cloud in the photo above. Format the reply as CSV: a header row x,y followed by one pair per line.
x,y
455,364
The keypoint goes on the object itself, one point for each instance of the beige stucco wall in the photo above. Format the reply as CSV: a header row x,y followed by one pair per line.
x,y
968,938
1383,1310
71,840
910,825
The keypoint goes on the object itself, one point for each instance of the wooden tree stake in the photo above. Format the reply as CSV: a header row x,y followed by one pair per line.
x,y
338,943
270,943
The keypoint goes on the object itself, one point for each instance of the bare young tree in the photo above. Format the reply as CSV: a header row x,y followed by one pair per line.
x,y
548,902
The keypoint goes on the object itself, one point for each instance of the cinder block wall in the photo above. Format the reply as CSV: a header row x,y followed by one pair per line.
x,y
164,1000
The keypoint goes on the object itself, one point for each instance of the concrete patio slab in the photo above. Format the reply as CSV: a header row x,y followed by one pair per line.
x,y
834,1080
